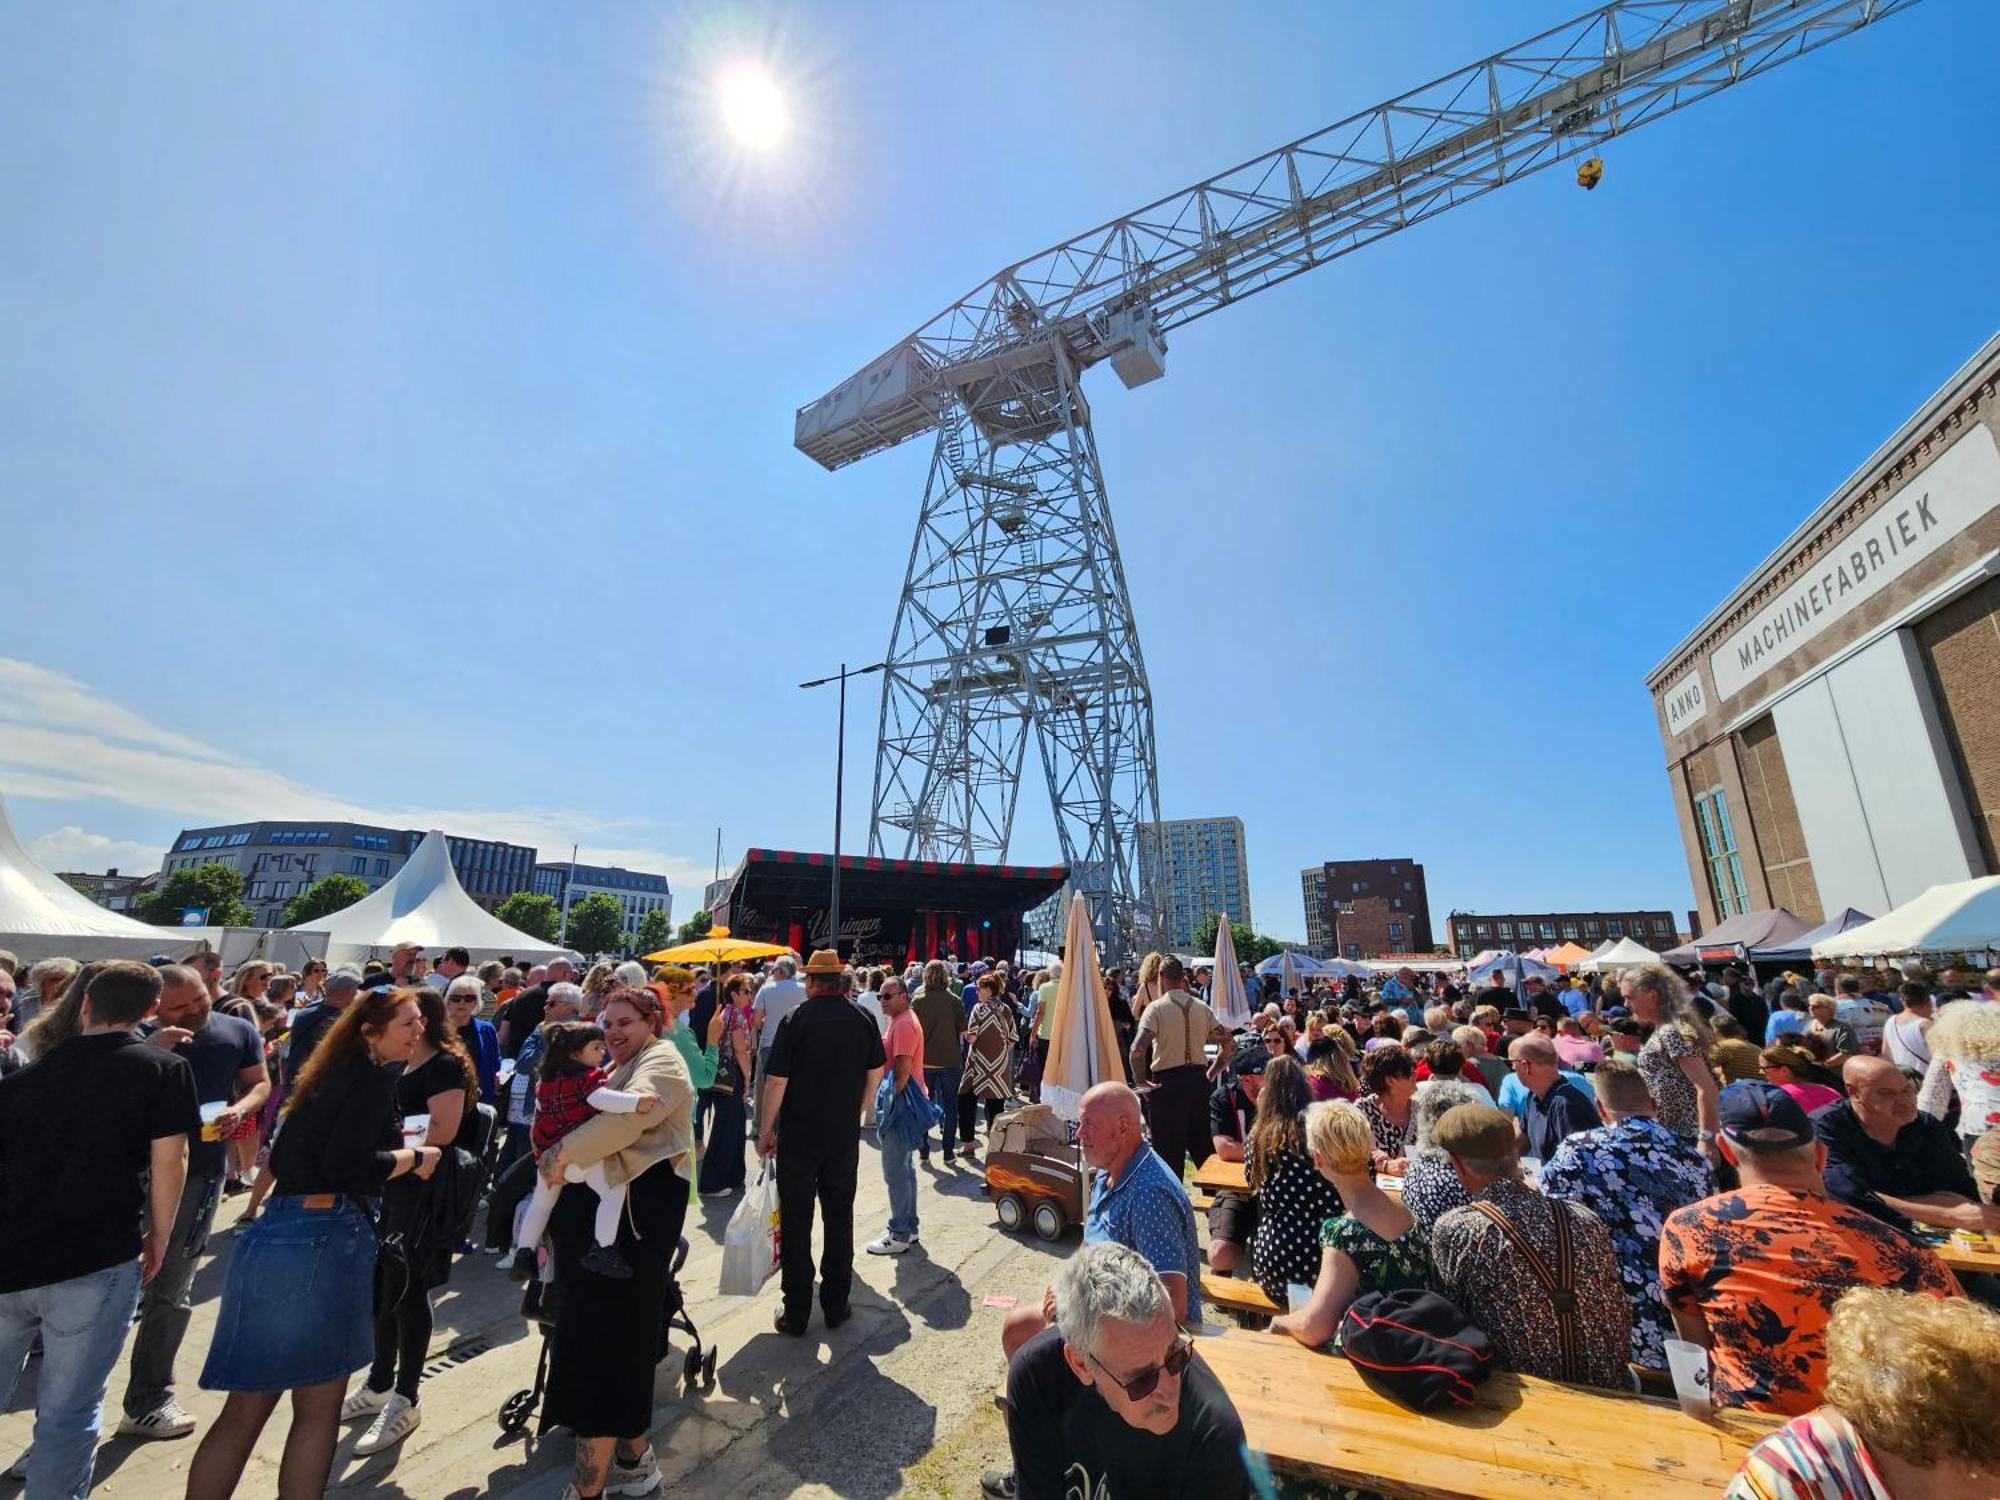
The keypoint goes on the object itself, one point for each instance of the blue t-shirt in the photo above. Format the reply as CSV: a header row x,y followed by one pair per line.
x,y
224,1047
1147,1210
1783,1023
1514,1093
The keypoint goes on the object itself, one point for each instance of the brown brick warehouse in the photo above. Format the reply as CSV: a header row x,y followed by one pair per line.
x,y
1832,729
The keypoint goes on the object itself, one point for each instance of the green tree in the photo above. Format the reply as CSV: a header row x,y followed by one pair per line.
x,y
215,887
694,928
328,894
532,913
655,931
596,924
1251,947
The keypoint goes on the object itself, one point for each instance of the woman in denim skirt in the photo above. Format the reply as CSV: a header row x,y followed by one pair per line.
x,y
298,1308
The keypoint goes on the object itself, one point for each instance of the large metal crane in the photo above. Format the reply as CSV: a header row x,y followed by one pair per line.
x,y
1014,610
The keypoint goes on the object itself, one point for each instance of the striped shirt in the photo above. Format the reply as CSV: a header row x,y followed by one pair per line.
x,y
1818,1456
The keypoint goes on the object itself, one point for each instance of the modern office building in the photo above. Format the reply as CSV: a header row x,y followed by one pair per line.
x,y
1197,866
1399,883
1319,929
1470,932
1832,728
278,860
635,892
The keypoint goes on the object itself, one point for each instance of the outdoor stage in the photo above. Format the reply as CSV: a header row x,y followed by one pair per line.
x,y
891,910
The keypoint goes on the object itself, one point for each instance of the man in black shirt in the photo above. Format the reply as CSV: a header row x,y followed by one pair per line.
x,y
519,1017
1885,1158
316,1020
231,1085
826,1057
1232,1105
1113,1400
79,1132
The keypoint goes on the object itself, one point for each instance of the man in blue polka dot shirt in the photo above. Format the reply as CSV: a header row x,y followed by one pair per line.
x,y
1135,1201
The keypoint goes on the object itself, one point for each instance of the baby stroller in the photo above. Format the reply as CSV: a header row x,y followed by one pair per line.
x,y
541,1305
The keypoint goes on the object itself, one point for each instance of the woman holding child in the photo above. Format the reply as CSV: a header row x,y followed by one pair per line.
x,y
607,1338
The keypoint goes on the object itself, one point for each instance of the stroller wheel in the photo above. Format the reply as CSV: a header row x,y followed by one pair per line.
x,y
708,1369
691,1367
515,1412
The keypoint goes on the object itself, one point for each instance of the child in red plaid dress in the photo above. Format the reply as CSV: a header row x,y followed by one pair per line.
x,y
570,1089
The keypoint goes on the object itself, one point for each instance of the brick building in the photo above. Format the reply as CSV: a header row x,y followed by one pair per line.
x,y
1832,728
1470,932
1350,923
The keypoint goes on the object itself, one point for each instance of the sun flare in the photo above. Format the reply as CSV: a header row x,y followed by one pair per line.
x,y
752,107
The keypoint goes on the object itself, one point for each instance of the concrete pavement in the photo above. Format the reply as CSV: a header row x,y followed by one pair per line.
x,y
897,1401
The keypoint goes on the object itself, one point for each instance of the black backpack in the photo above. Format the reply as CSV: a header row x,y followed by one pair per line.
x,y
1415,1348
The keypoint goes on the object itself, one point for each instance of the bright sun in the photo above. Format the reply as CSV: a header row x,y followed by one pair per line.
x,y
753,111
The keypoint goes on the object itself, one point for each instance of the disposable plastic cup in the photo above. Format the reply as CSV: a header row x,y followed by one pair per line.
x,y
414,1128
1297,1295
1688,1363
210,1113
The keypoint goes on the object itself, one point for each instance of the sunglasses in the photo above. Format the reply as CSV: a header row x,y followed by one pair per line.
x,y
1142,1385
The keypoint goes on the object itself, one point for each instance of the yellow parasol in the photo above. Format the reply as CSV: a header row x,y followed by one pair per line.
x,y
1083,1045
717,948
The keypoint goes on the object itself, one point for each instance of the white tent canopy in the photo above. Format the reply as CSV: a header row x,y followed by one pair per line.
x,y
1517,966
42,916
1623,954
423,903
1961,916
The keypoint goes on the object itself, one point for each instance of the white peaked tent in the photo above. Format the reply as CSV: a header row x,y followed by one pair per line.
x,y
1623,954
1226,996
43,917
1516,966
423,903
1960,916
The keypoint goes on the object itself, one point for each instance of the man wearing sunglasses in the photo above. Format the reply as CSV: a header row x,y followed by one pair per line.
x,y
1113,1400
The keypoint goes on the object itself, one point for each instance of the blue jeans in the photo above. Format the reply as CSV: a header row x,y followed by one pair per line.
x,y
942,1085
900,1173
83,1322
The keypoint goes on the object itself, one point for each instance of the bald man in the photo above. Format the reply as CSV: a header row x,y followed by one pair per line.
x,y
1134,1201
1887,1159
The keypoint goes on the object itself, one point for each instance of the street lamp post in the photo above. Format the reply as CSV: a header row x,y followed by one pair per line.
x,y
839,782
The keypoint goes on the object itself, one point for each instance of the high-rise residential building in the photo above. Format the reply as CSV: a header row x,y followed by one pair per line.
x,y
635,891
1360,929
1197,866
1319,931
278,860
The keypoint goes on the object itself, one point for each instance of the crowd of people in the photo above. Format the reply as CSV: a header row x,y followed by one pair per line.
x,y
1586,1169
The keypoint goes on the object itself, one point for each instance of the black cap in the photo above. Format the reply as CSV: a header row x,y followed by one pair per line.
x,y
1514,1013
1626,1026
1252,1060
1763,1117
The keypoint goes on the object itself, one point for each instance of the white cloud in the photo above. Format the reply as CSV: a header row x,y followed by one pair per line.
x,y
62,741
70,848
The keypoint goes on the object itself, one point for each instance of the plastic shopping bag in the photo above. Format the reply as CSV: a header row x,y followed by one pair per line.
x,y
750,1243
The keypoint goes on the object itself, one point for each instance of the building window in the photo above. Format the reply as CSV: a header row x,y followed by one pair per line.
x,y
256,890
1617,928
1506,930
1350,950
1718,849
1396,933
281,890
357,865
381,867
1593,932
1569,930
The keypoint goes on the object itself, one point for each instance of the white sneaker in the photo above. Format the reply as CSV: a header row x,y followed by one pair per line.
x,y
363,1403
398,1420
640,1477
890,1244
167,1421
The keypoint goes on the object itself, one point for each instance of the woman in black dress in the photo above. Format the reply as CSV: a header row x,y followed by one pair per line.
x,y
608,1331
438,1081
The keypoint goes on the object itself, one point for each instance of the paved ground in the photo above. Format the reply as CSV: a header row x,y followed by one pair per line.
x,y
897,1402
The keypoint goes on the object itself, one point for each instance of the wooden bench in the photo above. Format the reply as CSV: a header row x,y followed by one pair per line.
x,y
1236,1294
1962,1260
1201,1202
1310,1413
1215,1174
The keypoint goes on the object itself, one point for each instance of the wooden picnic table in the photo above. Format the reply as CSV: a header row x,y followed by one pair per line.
x,y
1215,1175
1526,1439
1961,1259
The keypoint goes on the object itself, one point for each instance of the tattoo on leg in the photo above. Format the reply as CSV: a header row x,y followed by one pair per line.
x,y
593,1467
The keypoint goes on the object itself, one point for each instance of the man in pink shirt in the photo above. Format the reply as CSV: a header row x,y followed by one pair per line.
x,y
903,1122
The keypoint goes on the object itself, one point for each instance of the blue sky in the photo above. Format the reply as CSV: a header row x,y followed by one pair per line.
x,y
395,415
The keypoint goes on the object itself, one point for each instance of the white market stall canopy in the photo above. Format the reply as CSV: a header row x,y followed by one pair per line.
x,y
1623,954
1503,961
1960,916
423,903
42,916
1414,965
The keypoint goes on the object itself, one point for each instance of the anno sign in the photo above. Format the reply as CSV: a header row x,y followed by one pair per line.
x,y
1684,701
1955,491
